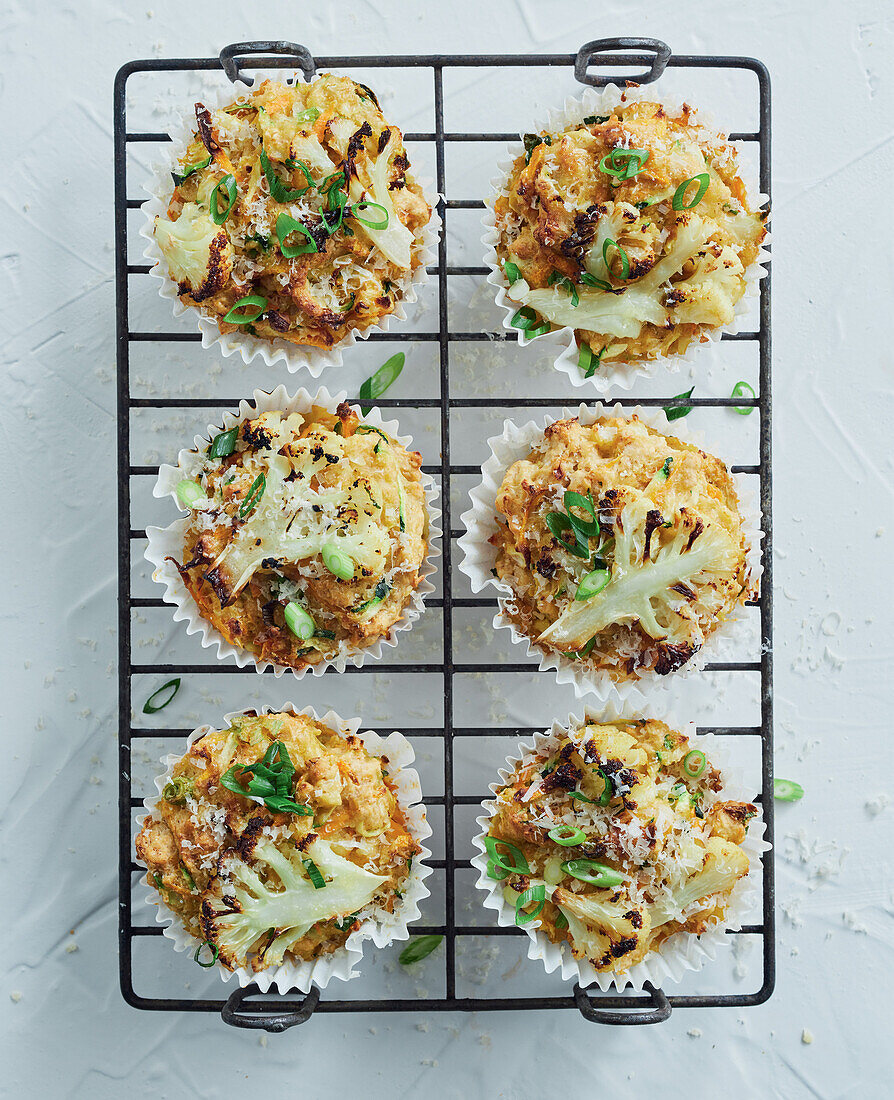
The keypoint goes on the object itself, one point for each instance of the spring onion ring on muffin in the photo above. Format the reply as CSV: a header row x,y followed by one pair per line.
x,y
275,838
623,548
307,534
293,214
632,228
616,837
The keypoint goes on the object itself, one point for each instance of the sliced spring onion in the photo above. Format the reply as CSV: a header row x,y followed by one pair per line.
x,y
786,790
172,686
309,114
675,412
384,377
533,893
338,563
214,953
739,390
421,947
567,835
524,319
596,874
664,472
278,190
299,621
498,861
189,169
624,164
589,528
678,203
559,523
608,790
224,444
379,223
583,797
285,227
593,360
270,779
561,921
694,763
609,244
254,495
592,584
228,183
558,279
513,274
591,280
539,330
254,304
313,873
188,492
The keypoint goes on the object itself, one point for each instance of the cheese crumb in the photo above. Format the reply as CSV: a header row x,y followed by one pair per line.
x,y
15,996
694,1033
806,1037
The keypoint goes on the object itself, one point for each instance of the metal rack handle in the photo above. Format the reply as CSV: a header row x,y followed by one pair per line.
x,y
231,55
266,1021
590,54
656,1015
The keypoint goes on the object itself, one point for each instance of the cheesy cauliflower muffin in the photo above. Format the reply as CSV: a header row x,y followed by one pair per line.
x,y
275,838
615,837
634,229
293,214
307,534
624,548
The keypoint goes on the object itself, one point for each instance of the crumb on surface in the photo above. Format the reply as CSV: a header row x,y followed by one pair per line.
x,y
806,1037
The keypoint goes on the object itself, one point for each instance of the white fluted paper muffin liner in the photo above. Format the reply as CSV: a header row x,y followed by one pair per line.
x,y
684,951
616,374
168,541
377,924
295,356
479,556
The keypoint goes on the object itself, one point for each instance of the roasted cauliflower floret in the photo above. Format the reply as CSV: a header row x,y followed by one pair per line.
x,y
724,865
652,578
254,913
610,933
198,252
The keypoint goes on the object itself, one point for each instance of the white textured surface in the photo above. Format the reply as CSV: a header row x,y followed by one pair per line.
x,y
66,1031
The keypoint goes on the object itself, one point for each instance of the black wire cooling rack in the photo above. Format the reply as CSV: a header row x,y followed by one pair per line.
x,y
268,1012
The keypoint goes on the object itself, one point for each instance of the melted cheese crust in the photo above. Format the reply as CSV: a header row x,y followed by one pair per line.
x,y
623,457
655,833
686,268
357,274
353,799
328,480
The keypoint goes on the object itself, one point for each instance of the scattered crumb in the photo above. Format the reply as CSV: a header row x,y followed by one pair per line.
x,y
806,1037
262,1040
874,806
433,1062
15,996
694,1033
70,948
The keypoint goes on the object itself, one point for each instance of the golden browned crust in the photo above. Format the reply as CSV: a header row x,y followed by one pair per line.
x,y
199,824
254,619
656,813
612,459
559,202
348,282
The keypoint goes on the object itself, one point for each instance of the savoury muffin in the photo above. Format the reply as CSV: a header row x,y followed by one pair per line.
x,y
614,838
307,536
276,838
632,228
293,214
624,548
